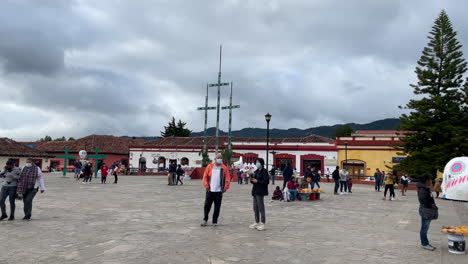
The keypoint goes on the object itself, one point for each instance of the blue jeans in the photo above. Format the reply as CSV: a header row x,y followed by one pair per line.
x,y
312,184
272,179
377,184
423,233
337,185
293,194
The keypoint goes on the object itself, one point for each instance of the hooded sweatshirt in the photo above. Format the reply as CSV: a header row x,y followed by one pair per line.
x,y
11,177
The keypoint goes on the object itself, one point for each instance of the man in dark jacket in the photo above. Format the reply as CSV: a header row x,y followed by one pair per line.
x,y
336,178
287,174
378,177
172,174
273,173
425,201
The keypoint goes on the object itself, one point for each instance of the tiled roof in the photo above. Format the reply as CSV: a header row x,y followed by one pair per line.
x,y
106,144
9,147
211,141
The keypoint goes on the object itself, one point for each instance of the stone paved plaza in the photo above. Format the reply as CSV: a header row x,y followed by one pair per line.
x,y
142,220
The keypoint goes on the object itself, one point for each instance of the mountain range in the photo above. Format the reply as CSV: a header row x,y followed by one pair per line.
x,y
325,131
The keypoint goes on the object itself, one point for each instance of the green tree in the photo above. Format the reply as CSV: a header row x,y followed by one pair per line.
x,y
227,154
174,129
60,139
343,131
45,139
71,138
205,158
434,127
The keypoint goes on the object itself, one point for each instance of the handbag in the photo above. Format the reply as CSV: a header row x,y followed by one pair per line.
x,y
431,213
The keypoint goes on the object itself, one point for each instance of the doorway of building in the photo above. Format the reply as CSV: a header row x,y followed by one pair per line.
x,y
38,163
356,168
282,162
313,163
54,164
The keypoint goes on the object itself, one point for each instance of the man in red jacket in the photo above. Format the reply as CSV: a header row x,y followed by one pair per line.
x,y
216,181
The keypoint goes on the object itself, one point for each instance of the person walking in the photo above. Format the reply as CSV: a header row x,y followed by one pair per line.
x,y
216,181
336,178
273,174
259,182
104,173
287,174
315,178
389,185
10,176
327,174
378,179
239,177
179,172
29,183
344,174
78,165
427,209
404,184
87,173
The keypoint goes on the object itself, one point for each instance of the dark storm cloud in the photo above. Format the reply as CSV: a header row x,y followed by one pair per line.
x,y
140,62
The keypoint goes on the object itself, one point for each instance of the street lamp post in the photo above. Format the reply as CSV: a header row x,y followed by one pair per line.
x,y
346,152
268,118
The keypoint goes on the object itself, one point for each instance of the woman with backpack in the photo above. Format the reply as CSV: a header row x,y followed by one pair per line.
x,y
427,209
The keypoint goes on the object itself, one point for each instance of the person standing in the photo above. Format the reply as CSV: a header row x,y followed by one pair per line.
x,y
11,174
273,174
29,183
378,179
344,174
389,185
172,173
179,172
216,182
336,178
239,177
104,173
404,184
327,174
438,186
260,181
426,203
78,165
116,173
287,174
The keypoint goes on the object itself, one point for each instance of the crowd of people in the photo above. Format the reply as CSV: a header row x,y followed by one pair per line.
x,y
84,170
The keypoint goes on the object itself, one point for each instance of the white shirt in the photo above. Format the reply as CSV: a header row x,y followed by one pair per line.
x,y
215,183
39,180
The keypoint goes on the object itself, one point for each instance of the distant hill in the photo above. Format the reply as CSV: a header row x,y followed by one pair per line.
x,y
325,131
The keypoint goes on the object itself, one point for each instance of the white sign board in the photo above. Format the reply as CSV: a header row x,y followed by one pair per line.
x,y
455,181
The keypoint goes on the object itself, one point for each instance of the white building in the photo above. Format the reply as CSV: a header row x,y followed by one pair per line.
x,y
313,150
19,152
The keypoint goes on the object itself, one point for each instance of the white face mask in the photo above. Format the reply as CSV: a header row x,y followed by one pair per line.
x,y
219,161
28,165
258,165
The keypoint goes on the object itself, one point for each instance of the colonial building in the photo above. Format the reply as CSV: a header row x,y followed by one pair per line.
x,y
114,149
313,150
365,151
10,149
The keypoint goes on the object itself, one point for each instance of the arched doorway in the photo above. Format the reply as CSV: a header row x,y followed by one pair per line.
x,y
249,157
313,160
184,161
281,160
161,163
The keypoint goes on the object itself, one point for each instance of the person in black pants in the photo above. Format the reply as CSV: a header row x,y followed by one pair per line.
x,y
336,178
179,173
216,181
287,174
259,182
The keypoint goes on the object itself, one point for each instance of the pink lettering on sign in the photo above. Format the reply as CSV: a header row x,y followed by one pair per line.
x,y
457,181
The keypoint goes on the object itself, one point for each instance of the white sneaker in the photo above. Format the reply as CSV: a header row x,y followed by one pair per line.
x,y
341,193
392,199
261,227
254,225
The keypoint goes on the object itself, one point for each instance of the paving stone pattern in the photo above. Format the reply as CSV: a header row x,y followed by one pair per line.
x,y
142,220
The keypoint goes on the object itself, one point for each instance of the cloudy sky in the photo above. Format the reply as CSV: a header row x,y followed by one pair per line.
x,y
124,67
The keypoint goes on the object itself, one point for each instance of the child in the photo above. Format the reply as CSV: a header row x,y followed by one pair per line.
x,y
350,184
277,194
438,187
292,190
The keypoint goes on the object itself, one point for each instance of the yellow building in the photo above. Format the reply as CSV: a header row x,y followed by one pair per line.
x,y
365,151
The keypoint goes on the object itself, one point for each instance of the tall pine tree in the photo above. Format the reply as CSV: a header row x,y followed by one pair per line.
x,y
174,129
434,124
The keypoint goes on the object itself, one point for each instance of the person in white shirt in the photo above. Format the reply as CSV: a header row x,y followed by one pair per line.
x,y
216,181
29,183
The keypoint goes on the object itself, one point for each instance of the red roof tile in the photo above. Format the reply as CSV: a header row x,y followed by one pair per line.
x,y
9,147
106,144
